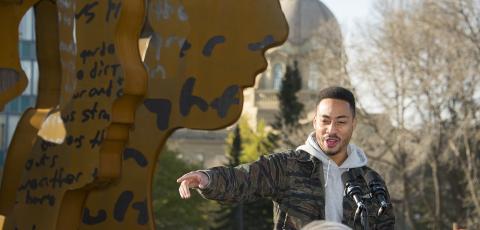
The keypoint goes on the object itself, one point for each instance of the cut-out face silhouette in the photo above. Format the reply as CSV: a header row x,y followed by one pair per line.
x,y
12,82
12,78
97,54
199,67
200,56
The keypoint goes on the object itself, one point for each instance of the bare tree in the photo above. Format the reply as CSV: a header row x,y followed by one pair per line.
x,y
421,63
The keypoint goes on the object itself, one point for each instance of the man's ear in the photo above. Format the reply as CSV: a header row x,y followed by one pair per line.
x,y
314,122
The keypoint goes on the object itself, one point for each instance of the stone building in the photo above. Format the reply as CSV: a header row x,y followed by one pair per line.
x,y
314,42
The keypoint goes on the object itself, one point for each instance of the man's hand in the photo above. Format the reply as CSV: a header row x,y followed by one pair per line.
x,y
193,179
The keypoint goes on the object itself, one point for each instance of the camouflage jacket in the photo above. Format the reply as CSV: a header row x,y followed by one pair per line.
x,y
294,181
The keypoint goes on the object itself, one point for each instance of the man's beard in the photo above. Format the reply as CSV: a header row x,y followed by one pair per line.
x,y
331,153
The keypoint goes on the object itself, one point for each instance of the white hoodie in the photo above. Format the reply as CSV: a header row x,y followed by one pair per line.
x,y
333,175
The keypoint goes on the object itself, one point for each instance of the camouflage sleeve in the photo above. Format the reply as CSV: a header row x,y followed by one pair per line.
x,y
262,178
387,220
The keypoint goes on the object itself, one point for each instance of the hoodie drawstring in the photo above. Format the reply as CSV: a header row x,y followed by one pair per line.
x,y
328,170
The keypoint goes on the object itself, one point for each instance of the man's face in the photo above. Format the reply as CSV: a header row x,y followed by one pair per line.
x,y
334,124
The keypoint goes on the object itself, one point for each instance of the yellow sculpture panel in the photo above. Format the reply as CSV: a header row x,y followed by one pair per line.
x,y
12,78
102,81
117,112
27,128
200,57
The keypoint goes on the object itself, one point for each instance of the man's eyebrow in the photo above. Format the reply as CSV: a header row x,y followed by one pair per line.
x,y
339,117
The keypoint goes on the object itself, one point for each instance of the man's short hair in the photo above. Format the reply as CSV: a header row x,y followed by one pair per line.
x,y
340,93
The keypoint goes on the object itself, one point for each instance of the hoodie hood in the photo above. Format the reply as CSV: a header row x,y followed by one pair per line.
x,y
356,157
332,174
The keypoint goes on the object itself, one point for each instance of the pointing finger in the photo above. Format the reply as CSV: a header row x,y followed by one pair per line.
x,y
185,176
185,189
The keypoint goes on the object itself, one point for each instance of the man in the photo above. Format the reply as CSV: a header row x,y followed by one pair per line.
x,y
304,184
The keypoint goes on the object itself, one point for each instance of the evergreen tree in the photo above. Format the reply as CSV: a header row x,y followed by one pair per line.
x,y
258,214
171,212
246,145
291,110
235,149
230,216
255,143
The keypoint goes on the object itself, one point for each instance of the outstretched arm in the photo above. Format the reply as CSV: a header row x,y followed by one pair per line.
x,y
247,182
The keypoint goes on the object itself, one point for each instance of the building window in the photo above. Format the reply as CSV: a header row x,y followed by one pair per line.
x,y
277,76
26,102
34,78
27,50
14,108
19,104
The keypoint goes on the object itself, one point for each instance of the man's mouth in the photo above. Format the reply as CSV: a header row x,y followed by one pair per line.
x,y
331,142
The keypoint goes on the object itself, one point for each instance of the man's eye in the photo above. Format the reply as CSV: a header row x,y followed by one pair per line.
x,y
342,122
326,122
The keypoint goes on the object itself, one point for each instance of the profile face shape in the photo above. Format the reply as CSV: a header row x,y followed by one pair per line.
x,y
334,124
86,54
200,57
12,78
202,63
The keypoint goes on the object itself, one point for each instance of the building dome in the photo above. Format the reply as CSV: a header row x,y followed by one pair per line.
x,y
304,18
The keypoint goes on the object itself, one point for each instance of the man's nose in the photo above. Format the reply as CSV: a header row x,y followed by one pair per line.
x,y
331,128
